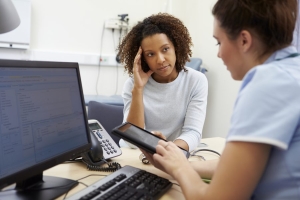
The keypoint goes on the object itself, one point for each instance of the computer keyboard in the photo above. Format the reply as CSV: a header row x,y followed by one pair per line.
x,y
126,183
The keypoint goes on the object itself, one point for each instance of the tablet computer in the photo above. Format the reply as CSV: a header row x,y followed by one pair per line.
x,y
140,137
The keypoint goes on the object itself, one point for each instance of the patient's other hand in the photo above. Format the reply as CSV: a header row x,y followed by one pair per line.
x,y
159,134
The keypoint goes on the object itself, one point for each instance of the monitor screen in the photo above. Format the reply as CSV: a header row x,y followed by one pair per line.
x,y
42,123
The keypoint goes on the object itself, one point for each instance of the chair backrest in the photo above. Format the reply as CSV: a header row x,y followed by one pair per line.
x,y
109,116
194,63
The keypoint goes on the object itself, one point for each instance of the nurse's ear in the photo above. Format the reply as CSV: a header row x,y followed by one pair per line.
x,y
245,41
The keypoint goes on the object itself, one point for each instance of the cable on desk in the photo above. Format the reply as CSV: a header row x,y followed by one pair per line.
x,y
90,175
201,157
82,183
196,151
176,184
66,194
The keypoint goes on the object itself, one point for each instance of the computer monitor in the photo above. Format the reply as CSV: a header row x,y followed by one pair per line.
x,y
43,123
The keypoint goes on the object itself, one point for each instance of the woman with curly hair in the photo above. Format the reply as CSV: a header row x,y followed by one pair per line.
x,y
162,95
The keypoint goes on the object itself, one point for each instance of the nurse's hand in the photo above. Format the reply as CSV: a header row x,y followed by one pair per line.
x,y
157,133
168,158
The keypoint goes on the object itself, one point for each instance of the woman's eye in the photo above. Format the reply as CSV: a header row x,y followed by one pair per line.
x,y
150,54
218,43
166,49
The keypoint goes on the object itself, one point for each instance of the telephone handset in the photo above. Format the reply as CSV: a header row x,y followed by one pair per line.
x,y
103,148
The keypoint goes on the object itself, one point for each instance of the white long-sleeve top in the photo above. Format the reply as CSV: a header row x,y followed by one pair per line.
x,y
176,109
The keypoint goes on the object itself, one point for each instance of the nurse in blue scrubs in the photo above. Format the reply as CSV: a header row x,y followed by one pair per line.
x,y
261,159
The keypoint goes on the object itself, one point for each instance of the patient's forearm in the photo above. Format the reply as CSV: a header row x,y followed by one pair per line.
x,y
205,169
182,144
136,111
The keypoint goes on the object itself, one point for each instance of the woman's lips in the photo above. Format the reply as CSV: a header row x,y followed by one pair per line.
x,y
163,68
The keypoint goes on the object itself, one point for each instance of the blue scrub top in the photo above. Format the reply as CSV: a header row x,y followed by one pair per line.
x,y
267,110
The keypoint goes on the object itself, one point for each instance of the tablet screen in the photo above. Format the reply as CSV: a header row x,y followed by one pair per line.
x,y
143,136
139,134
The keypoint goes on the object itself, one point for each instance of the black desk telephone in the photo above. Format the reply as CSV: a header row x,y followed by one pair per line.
x,y
103,148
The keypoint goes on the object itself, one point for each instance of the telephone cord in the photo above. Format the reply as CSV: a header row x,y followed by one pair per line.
x,y
114,166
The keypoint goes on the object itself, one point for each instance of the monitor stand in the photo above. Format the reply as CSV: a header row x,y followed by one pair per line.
x,y
49,187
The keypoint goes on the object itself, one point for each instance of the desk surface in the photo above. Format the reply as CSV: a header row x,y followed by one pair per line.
x,y
129,156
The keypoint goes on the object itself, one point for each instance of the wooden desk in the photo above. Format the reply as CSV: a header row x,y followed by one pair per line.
x,y
129,156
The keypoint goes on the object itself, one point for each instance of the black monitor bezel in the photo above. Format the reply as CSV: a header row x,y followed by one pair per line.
x,y
40,167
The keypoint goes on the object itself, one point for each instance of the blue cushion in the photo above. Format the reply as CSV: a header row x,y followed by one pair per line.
x,y
112,100
109,116
194,63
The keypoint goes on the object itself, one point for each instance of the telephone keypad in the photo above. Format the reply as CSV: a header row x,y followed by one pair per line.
x,y
110,148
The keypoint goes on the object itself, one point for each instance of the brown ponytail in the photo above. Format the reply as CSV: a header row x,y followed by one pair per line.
x,y
271,21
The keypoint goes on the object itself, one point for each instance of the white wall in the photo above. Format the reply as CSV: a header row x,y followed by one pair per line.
x,y
222,88
75,27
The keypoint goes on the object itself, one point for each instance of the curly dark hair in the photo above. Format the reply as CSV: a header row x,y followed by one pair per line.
x,y
164,23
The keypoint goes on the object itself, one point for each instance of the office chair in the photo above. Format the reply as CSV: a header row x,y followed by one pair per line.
x,y
108,115
196,63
